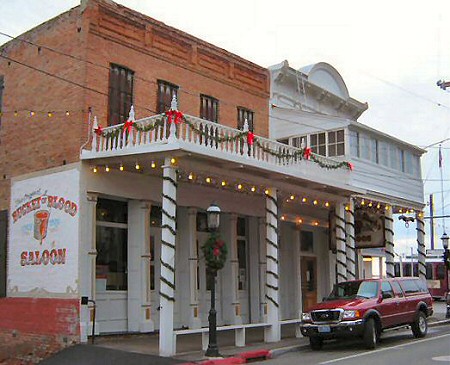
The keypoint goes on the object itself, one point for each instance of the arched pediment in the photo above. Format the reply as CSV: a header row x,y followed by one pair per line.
x,y
326,77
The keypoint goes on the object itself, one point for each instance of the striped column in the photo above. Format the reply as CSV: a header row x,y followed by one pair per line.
x,y
350,239
167,280
420,228
389,238
273,333
341,257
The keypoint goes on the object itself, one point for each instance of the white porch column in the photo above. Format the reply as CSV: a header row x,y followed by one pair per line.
x,y
341,257
421,245
231,309
350,239
262,230
87,271
146,323
273,333
194,319
167,280
389,237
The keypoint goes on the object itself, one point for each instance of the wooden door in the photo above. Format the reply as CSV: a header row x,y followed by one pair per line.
x,y
308,267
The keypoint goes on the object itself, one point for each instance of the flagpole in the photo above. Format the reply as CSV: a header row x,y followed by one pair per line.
x,y
442,183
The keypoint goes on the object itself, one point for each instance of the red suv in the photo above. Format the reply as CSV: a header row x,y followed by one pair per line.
x,y
365,308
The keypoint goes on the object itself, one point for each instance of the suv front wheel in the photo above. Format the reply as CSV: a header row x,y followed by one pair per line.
x,y
370,334
420,326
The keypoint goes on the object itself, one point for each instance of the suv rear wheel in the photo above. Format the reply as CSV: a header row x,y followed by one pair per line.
x,y
420,326
370,334
316,343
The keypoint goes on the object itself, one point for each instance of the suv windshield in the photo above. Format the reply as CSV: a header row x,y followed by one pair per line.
x,y
354,289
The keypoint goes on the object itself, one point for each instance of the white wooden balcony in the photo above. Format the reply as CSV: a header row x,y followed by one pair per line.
x,y
214,143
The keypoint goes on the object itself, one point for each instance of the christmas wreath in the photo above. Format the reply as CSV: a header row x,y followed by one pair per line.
x,y
215,252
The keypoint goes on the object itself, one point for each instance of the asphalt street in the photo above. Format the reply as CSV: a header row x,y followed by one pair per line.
x,y
397,347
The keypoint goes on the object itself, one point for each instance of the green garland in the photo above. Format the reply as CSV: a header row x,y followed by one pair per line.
x,y
304,153
215,252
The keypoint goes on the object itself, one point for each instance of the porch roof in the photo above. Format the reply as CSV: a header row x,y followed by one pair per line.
x,y
204,147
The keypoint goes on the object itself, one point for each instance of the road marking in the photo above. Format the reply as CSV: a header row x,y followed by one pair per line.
x,y
385,349
441,358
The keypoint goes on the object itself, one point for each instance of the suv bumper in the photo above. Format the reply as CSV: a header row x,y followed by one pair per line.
x,y
344,328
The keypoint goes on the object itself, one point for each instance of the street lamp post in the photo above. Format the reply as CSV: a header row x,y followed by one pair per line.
x,y
445,239
213,215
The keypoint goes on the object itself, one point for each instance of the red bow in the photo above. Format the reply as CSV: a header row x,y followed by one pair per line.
x,y
250,138
216,251
99,130
128,126
174,115
307,153
350,166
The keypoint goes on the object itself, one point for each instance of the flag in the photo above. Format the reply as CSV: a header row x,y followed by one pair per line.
x,y
440,157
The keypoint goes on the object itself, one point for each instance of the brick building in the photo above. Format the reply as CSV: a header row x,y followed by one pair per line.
x,y
106,201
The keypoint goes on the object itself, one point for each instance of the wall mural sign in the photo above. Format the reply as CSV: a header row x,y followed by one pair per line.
x,y
369,228
44,234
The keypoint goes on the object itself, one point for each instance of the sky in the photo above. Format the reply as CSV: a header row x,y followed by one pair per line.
x,y
389,53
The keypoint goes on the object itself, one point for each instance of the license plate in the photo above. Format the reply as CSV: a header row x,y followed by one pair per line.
x,y
324,329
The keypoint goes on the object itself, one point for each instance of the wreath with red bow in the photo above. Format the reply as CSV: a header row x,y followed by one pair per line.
x,y
215,252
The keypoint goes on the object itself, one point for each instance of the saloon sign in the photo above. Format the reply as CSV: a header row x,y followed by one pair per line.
x,y
44,233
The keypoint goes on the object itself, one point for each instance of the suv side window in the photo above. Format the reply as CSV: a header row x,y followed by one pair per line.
x,y
386,290
422,285
409,286
397,289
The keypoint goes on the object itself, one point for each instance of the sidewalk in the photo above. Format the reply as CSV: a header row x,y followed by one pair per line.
x,y
143,349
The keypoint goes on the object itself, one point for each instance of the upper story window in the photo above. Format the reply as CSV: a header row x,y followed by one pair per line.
x,y
166,92
209,108
242,115
354,143
121,82
2,86
318,143
299,142
336,143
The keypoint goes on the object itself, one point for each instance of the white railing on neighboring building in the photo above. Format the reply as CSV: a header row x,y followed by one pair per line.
x,y
189,130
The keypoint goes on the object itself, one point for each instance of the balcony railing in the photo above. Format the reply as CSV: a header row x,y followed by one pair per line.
x,y
204,136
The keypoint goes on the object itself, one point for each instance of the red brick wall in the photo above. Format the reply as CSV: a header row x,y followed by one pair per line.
x,y
101,33
33,328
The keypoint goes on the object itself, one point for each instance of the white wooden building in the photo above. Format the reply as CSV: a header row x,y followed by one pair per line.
x,y
142,188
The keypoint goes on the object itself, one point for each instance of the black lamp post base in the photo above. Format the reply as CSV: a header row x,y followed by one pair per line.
x,y
213,351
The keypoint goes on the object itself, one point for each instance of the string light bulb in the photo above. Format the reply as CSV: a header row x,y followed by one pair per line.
x,y
378,206
299,221
16,113
316,223
50,114
137,166
239,186
107,168
370,204
304,200
315,202
191,176
363,202
292,197
327,204
208,180
224,183
283,218
94,169
347,208
121,167
32,113
67,113
153,165
266,191
173,160
253,189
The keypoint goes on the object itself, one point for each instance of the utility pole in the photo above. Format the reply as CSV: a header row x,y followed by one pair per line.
x,y
431,222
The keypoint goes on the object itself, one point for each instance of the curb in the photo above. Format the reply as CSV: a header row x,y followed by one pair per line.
x,y
242,358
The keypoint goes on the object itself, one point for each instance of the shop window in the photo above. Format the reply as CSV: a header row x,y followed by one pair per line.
x,y
121,82
242,115
209,108
166,92
241,230
202,222
111,245
336,143
318,144
155,216
306,241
